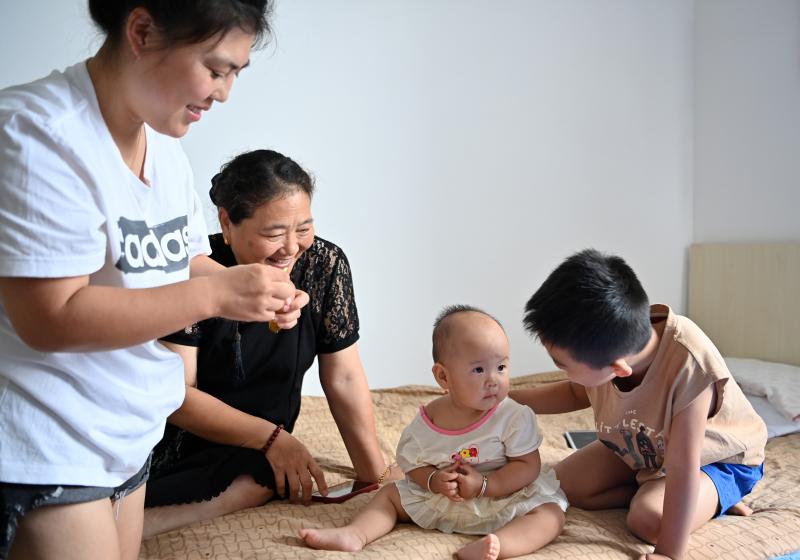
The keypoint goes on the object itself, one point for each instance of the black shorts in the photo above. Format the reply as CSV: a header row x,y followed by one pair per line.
x,y
17,500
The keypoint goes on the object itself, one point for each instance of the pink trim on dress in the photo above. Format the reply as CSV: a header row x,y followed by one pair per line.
x,y
474,426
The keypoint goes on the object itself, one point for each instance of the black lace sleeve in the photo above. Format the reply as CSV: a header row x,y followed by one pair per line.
x,y
331,297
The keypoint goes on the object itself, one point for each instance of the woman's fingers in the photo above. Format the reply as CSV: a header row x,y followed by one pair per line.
x,y
307,472
252,292
287,320
306,485
288,316
301,299
280,481
294,487
294,466
319,477
289,483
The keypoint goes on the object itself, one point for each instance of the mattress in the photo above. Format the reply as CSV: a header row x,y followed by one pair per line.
x,y
270,531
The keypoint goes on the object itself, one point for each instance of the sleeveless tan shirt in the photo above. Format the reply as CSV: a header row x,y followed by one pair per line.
x,y
636,424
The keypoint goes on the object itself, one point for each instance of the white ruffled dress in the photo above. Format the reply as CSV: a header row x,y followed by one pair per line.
x,y
507,430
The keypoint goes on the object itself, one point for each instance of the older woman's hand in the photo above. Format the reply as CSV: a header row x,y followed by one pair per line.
x,y
250,292
287,317
291,461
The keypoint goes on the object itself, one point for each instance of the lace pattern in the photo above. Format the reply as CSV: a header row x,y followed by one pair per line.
x,y
324,273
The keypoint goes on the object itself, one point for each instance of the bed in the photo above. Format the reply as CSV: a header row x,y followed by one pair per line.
x,y
745,296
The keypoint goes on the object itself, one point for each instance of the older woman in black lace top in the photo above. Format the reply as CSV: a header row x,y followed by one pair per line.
x,y
244,379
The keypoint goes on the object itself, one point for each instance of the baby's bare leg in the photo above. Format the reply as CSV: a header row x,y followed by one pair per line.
x,y
378,518
522,536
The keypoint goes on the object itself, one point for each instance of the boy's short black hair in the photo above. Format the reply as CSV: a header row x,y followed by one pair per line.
x,y
441,327
593,306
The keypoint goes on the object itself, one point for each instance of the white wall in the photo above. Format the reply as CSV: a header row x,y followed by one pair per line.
x,y
462,149
747,84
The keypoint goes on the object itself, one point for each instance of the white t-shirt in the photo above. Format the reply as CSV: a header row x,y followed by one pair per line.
x,y
69,206
508,430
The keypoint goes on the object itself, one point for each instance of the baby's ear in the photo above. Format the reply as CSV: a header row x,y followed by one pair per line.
x,y
440,375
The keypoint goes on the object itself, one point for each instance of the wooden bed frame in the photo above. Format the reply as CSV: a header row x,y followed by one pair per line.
x,y
746,297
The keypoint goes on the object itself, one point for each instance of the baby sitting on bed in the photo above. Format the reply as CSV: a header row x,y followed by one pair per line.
x,y
471,456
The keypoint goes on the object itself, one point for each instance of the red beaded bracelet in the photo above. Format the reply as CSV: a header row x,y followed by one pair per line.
x,y
272,438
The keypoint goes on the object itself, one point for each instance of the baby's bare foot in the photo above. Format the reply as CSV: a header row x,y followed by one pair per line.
x,y
344,538
486,548
740,509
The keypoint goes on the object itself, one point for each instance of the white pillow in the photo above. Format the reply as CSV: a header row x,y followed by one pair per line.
x,y
778,383
777,424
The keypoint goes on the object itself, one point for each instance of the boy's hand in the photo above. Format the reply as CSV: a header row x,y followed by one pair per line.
x,y
469,481
445,482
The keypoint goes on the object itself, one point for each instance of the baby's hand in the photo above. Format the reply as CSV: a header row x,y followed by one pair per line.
x,y
469,481
444,482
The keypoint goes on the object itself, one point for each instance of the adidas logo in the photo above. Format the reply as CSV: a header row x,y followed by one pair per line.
x,y
161,247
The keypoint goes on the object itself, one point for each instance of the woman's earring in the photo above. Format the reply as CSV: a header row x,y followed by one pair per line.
x,y
225,240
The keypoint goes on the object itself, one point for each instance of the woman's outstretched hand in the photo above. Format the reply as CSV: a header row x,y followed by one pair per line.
x,y
291,461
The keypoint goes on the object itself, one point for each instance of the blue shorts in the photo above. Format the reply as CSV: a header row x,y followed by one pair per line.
x,y
733,482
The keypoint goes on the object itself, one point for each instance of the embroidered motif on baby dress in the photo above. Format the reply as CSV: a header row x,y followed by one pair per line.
x,y
466,455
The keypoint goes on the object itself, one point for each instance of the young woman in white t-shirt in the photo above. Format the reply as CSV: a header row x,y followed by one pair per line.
x,y
103,249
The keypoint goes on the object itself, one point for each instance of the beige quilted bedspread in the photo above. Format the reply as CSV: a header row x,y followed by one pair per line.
x,y
270,531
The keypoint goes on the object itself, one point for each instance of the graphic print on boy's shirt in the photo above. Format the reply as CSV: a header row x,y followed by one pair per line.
x,y
634,442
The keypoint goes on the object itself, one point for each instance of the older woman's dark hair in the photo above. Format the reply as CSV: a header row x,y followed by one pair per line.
x,y
252,179
186,21
594,307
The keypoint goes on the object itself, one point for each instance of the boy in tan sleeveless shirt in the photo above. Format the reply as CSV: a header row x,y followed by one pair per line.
x,y
679,442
